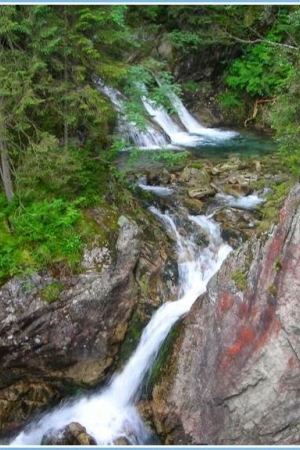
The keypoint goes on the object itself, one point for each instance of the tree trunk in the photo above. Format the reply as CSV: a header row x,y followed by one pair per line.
x,y
5,168
66,128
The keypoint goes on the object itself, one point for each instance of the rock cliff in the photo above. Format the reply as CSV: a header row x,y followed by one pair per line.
x,y
60,332
234,375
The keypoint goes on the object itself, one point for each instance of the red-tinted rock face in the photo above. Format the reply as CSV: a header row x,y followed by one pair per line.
x,y
239,383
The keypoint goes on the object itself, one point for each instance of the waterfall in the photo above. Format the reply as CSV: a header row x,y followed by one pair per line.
x,y
162,118
193,126
111,414
158,190
150,138
190,134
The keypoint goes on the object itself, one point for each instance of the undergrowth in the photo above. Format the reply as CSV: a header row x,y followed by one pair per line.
x,y
35,235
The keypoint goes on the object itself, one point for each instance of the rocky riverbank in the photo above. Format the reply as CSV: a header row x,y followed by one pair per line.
x,y
233,377
62,332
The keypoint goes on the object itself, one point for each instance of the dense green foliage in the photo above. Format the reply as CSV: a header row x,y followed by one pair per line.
x,y
55,126
56,130
259,72
43,232
259,61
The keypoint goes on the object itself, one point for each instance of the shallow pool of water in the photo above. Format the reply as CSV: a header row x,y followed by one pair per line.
x,y
244,145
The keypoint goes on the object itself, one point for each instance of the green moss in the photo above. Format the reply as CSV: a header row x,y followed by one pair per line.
x,y
143,283
135,328
50,293
239,277
196,165
191,86
99,226
277,265
27,285
272,289
270,209
163,359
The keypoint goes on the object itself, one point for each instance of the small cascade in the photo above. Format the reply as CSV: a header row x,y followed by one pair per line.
x,y
250,202
162,118
114,95
158,190
110,414
150,138
191,134
193,126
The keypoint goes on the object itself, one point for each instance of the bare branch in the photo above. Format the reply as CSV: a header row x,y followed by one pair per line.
x,y
265,41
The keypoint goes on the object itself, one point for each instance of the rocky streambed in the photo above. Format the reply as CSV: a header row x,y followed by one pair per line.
x,y
62,332
233,377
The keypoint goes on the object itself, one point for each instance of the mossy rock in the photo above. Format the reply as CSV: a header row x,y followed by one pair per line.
x,y
194,205
200,192
270,209
196,165
240,278
51,292
135,328
163,359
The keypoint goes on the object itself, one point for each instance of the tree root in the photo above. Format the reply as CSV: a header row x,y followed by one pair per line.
x,y
255,108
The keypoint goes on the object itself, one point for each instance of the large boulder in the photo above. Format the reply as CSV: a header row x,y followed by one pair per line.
x,y
193,176
234,375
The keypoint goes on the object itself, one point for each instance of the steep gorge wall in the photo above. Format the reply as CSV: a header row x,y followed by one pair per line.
x,y
234,374
51,348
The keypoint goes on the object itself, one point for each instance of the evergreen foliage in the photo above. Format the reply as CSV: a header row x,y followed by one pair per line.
x,y
56,130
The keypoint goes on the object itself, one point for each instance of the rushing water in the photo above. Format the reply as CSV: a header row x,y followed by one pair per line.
x,y
242,202
111,414
175,133
167,133
148,138
194,127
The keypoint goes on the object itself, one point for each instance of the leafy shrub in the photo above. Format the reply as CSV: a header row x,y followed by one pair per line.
x,y
171,158
260,72
229,99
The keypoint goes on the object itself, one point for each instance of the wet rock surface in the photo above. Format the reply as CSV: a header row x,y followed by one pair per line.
x,y
72,434
60,332
52,346
234,374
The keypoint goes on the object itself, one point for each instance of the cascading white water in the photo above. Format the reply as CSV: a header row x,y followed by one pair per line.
x,y
193,126
150,138
243,202
190,135
159,190
162,118
111,414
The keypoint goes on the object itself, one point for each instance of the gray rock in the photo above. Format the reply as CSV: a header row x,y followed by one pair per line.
x,y
194,177
48,348
201,192
234,375
72,434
